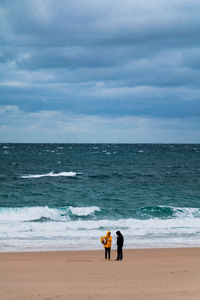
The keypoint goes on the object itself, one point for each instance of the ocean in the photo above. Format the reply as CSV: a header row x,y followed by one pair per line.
x,y
66,196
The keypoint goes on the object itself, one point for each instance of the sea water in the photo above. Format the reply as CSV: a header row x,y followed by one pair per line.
x,y
66,196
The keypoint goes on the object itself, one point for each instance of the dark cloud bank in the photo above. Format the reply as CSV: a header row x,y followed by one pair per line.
x,y
100,61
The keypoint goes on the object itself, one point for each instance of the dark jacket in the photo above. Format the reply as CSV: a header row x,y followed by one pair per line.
x,y
120,239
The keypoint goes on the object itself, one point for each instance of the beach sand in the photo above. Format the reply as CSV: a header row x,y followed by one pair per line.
x,y
143,274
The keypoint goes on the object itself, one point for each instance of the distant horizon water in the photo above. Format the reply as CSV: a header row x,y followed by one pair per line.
x,y
104,143
63,196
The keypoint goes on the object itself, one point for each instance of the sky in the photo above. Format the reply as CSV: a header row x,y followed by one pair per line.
x,y
109,71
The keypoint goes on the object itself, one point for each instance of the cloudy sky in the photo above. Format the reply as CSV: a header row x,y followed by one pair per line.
x,y
100,71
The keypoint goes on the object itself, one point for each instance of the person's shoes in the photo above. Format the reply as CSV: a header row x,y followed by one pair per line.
x,y
116,259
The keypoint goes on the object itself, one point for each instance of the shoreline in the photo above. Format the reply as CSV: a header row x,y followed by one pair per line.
x,y
113,249
153,274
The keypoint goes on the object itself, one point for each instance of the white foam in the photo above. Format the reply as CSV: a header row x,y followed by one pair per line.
x,y
51,174
18,232
83,234
184,212
83,211
22,214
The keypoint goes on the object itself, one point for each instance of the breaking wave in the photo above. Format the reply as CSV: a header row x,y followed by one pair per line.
x,y
42,227
28,214
84,211
52,174
167,212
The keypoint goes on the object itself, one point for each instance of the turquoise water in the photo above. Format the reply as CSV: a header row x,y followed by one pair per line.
x,y
65,196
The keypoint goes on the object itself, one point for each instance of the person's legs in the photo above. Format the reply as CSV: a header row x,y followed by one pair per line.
x,y
109,253
106,251
118,253
122,253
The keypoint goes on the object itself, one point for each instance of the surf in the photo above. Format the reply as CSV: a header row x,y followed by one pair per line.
x,y
52,174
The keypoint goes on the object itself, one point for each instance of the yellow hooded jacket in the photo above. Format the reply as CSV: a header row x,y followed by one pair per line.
x,y
108,239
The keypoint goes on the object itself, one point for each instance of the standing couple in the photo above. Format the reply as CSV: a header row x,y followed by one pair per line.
x,y
107,243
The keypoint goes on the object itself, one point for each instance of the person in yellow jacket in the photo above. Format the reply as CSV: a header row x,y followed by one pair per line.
x,y
107,243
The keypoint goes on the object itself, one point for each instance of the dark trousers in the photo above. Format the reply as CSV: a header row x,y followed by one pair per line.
x,y
107,253
119,252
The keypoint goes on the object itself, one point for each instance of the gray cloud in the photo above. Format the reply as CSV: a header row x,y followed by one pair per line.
x,y
55,126
121,59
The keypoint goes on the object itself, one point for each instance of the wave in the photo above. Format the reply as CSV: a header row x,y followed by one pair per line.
x,y
36,213
71,213
26,228
44,213
22,214
84,211
51,174
131,226
81,234
162,211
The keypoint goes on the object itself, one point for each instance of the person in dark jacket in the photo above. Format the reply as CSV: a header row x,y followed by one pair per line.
x,y
120,243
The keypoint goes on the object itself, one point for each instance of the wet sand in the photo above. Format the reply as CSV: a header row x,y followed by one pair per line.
x,y
143,274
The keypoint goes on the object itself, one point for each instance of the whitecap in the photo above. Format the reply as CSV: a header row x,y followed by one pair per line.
x,y
184,212
51,174
22,214
83,211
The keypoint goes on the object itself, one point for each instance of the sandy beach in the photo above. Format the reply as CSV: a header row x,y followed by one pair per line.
x,y
143,274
